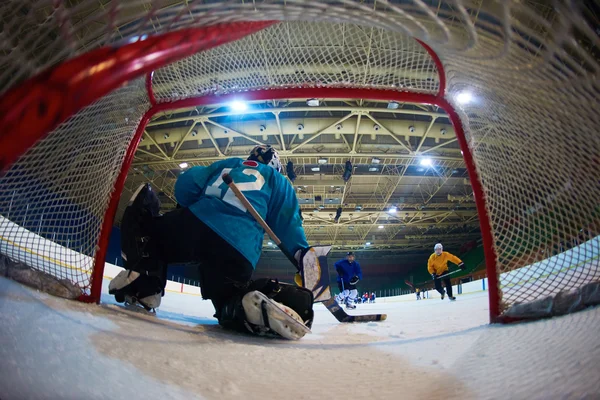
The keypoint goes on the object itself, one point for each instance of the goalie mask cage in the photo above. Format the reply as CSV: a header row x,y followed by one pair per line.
x,y
80,80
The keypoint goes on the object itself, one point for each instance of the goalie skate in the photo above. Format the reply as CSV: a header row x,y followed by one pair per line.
x,y
134,304
268,315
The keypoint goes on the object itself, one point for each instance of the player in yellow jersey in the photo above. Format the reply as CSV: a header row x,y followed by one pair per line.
x,y
438,265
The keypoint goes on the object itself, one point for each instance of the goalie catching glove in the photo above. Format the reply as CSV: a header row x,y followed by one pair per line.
x,y
267,307
354,280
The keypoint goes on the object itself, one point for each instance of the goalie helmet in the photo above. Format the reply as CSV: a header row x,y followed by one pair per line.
x,y
266,154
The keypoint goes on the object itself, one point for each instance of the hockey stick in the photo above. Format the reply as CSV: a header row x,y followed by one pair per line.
x,y
449,273
330,304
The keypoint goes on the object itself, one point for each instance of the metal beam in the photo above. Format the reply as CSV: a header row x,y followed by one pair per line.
x,y
353,151
320,132
425,134
439,145
390,133
388,195
234,131
166,157
392,157
147,152
185,136
211,138
280,131
319,182
301,109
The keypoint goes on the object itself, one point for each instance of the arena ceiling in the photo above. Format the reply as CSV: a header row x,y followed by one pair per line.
x,y
408,187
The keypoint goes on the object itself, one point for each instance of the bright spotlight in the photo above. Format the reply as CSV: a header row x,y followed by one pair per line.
x,y
393,209
238,106
368,243
380,227
183,165
426,162
270,243
464,97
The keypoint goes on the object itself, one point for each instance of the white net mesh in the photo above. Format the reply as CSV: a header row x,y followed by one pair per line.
x,y
302,54
532,70
54,199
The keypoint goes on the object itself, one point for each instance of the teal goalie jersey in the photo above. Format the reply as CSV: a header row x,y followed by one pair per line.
x,y
202,190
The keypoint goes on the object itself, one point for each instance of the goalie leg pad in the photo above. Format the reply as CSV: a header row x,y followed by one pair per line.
x,y
275,299
138,253
264,315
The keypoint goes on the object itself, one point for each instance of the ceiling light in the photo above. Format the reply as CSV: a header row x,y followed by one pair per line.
x,y
373,169
376,160
392,105
368,243
183,165
315,169
393,209
313,102
194,133
270,243
238,106
464,97
426,162
322,161
380,227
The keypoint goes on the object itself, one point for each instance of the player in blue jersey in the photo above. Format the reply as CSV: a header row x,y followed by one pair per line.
x,y
349,273
212,228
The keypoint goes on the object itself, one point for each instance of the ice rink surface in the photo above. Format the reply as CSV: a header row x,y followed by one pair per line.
x,y
58,349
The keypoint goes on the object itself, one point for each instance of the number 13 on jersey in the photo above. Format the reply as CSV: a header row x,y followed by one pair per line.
x,y
215,189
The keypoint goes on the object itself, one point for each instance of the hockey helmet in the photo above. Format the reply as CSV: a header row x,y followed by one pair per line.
x,y
266,154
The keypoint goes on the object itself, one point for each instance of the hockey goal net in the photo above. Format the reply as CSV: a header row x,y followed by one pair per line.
x,y
80,80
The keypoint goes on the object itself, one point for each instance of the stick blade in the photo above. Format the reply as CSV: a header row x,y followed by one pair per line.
x,y
342,316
